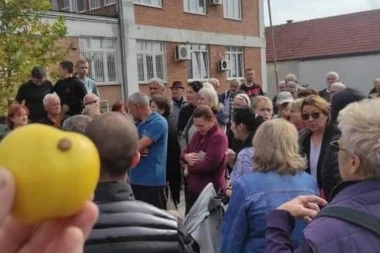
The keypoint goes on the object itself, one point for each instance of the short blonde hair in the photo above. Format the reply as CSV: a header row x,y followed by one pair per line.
x,y
256,101
243,97
276,148
296,104
360,126
211,95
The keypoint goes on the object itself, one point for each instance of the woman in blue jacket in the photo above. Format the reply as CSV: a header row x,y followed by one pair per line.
x,y
278,175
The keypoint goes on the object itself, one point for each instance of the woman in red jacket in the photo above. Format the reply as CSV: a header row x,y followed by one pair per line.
x,y
204,155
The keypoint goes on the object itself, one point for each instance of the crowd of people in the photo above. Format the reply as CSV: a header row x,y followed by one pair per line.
x,y
275,162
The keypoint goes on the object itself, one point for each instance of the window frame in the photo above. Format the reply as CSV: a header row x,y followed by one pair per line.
x,y
238,51
190,63
186,4
149,5
153,53
109,2
104,52
91,8
226,4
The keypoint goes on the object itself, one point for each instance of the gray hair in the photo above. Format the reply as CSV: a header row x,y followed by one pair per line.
x,y
158,81
90,95
359,123
139,99
333,73
235,81
339,85
244,97
208,85
214,82
77,123
50,96
211,95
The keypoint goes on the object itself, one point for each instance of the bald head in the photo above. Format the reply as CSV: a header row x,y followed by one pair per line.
x,y
116,139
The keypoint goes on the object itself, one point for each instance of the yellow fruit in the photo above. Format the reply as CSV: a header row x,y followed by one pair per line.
x,y
56,172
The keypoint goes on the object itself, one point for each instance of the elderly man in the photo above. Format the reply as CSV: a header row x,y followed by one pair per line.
x,y
344,225
178,100
156,87
76,123
336,88
52,105
148,179
215,83
126,225
331,78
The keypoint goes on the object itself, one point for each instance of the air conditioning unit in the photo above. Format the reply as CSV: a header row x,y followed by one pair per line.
x,y
215,2
182,53
223,65
104,105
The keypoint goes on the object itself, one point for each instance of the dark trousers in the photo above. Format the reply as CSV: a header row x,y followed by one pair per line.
x,y
154,195
190,198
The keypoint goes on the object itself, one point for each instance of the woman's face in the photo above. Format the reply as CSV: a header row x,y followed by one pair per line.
x,y
20,118
264,110
202,100
203,125
239,103
314,118
191,96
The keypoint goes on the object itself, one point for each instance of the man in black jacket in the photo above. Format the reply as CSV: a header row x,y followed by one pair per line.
x,y
126,225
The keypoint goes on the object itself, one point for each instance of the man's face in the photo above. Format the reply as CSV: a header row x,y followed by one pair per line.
x,y
155,89
250,76
177,92
92,101
133,109
83,69
53,107
61,72
330,79
37,81
234,88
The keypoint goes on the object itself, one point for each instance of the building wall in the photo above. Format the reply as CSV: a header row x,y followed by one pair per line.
x,y
356,72
172,15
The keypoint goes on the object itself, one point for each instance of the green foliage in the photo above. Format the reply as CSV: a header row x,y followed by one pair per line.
x,y
26,40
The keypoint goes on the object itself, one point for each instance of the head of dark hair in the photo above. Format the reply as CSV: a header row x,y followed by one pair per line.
x,y
342,99
247,117
162,103
203,111
116,138
302,93
68,65
196,86
38,72
117,106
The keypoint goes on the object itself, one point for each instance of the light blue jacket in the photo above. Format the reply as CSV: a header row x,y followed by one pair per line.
x,y
254,195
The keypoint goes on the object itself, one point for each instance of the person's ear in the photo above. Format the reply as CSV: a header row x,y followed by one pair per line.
x,y
135,160
355,166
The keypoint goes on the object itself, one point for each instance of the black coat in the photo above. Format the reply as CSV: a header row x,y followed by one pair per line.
x,y
127,225
304,142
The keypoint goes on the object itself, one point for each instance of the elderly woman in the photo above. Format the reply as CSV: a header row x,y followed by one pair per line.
x,y
204,155
358,154
277,177
263,107
17,116
241,100
314,140
161,104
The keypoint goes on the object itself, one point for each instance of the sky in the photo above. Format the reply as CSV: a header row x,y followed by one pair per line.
x,y
298,10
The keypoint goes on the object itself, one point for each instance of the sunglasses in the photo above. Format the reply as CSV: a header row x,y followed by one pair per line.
x,y
314,115
91,102
335,144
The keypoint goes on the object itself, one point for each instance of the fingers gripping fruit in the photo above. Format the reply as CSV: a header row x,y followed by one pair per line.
x,y
56,172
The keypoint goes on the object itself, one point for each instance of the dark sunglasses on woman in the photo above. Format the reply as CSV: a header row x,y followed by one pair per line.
x,y
314,115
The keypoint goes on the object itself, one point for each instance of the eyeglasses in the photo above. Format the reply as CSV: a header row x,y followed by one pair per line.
x,y
91,102
335,144
314,115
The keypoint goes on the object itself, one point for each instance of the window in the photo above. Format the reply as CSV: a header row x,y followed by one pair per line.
x,y
109,2
198,66
150,60
232,9
235,56
195,6
156,3
102,56
65,5
80,6
94,4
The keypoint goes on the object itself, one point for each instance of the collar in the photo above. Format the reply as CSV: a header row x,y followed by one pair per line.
x,y
113,191
348,189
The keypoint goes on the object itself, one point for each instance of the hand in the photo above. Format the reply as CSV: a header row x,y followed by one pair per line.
x,y
185,173
192,158
63,235
304,206
231,157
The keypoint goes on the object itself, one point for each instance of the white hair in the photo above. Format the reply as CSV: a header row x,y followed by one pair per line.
x,y
360,126
90,95
333,73
244,97
211,95
139,99
339,85
158,81
208,85
235,81
50,96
